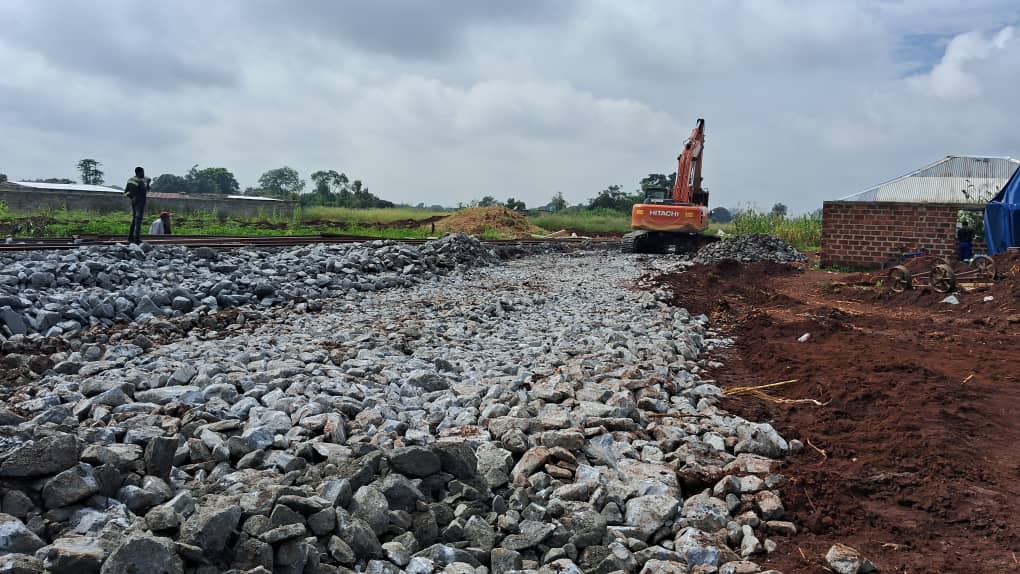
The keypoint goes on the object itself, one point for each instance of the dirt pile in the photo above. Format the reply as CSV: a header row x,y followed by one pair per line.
x,y
912,457
490,221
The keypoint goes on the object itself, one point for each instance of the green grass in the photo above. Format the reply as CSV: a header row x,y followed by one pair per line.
x,y
366,216
804,232
585,221
65,223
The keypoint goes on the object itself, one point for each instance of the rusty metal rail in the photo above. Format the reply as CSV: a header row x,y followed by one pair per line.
x,y
236,242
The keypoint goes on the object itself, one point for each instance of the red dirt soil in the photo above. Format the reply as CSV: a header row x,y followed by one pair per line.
x,y
920,434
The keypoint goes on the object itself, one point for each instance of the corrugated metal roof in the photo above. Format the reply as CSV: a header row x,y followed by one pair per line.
x,y
253,197
66,186
953,179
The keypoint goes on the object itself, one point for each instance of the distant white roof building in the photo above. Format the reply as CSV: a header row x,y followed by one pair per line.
x,y
953,179
108,189
66,186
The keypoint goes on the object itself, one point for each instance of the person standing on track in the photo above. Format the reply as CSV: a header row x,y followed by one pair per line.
x,y
136,189
965,236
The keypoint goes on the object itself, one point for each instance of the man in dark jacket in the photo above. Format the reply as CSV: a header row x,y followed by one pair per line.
x,y
136,189
965,235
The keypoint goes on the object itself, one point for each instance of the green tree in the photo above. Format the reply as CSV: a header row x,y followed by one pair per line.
x,y
331,187
487,201
557,202
212,180
720,215
90,172
283,182
779,209
3,177
614,198
170,183
515,204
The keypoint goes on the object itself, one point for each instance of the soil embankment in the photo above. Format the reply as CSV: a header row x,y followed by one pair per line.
x,y
913,458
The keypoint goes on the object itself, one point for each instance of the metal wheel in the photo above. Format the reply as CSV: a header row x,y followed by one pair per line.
x,y
899,279
985,265
942,278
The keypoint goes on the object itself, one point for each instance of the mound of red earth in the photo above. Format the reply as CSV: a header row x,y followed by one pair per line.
x,y
913,458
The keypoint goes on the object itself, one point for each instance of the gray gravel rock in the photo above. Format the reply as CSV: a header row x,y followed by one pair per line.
x,y
749,248
414,461
210,527
70,486
144,554
16,537
74,554
47,455
386,407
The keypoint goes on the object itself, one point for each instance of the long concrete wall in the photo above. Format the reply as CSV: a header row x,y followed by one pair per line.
x,y
22,200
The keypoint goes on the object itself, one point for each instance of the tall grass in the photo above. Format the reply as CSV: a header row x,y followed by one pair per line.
x,y
803,232
585,221
366,216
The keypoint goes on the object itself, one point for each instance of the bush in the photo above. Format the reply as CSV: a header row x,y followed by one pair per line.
x,y
804,232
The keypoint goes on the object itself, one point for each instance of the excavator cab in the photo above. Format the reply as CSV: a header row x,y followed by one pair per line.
x,y
658,195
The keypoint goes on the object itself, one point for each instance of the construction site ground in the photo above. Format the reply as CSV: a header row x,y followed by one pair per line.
x,y
912,455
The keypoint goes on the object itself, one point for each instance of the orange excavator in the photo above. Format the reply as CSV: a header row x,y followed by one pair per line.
x,y
678,218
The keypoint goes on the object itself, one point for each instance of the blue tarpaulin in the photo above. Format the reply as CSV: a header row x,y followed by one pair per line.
x,y
1002,217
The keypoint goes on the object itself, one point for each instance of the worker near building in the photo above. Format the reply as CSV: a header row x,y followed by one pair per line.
x,y
162,225
965,236
136,189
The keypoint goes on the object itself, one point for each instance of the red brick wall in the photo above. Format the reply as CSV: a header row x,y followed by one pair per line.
x,y
865,234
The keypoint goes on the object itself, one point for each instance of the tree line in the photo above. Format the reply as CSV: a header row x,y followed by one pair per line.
x,y
329,187
614,198
335,189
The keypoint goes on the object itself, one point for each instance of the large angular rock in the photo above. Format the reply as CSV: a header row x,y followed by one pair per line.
x,y
73,554
588,528
48,455
494,464
210,527
650,513
458,459
530,463
532,533
414,461
144,555
400,493
760,439
370,504
706,513
15,537
443,555
159,456
844,559
358,535
70,486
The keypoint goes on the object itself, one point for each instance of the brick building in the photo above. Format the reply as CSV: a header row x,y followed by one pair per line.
x,y
918,210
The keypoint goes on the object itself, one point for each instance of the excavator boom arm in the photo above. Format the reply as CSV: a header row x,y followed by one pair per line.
x,y
688,173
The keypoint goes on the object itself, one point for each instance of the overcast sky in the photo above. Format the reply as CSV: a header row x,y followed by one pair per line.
x,y
443,101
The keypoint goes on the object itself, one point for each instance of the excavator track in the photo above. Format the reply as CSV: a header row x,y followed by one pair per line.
x,y
659,242
627,244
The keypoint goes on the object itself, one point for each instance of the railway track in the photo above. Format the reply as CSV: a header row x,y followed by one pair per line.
x,y
235,242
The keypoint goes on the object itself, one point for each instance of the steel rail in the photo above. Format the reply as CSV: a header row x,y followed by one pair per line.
x,y
236,242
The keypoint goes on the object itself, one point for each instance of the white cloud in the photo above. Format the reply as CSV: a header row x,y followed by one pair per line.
x,y
804,101
950,78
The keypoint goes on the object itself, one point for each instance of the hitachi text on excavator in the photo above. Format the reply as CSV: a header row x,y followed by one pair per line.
x,y
666,218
